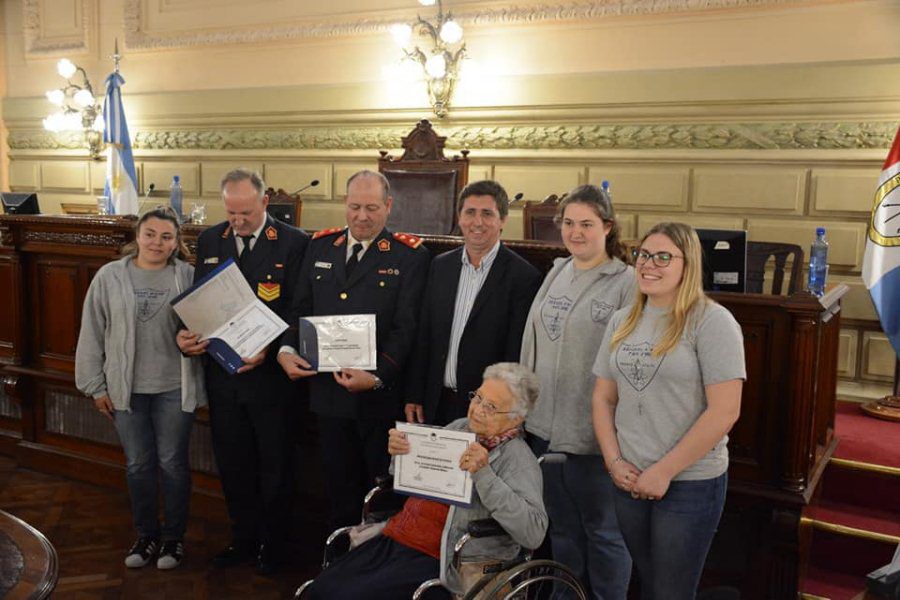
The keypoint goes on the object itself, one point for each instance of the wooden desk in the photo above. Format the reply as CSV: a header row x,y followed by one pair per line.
x,y
778,448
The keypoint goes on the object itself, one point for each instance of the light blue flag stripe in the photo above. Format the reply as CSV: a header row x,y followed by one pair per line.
x,y
115,131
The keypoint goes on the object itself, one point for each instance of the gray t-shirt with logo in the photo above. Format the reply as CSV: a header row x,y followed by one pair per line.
x,y
157,360
660,397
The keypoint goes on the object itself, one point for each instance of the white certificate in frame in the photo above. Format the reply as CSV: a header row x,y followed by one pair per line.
x,y
431,468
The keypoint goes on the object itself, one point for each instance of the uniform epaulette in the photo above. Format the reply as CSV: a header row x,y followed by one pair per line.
x,y
408,239
323,232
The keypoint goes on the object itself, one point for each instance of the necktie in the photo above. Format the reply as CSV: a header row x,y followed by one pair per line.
x,y
246,250
354,258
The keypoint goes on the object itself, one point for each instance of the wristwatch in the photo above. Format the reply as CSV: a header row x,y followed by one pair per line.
x,y
379,384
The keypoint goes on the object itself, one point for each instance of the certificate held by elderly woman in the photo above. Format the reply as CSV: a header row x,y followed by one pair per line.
x,y
431,468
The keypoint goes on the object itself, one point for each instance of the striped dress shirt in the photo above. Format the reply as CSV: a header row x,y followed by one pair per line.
x,y
471,279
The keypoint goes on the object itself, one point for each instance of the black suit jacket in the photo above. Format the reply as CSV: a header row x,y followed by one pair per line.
x,y
275,260
493,332
387,282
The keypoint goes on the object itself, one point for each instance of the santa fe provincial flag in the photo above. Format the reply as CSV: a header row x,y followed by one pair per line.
x,y
881,265
121,180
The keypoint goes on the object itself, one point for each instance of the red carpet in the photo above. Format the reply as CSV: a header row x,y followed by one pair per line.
x,y
864,438
861,499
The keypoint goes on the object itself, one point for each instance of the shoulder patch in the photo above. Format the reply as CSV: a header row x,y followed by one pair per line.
x,y
325,232
408,239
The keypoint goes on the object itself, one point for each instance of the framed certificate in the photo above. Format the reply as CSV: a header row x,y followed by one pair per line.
x,y
338,342
431,468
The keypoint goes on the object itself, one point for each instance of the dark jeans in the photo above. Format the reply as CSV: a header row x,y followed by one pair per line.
x,y
584,531
380,569
155,436
669,538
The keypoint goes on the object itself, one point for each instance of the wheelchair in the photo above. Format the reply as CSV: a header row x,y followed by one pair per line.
x,y
520,578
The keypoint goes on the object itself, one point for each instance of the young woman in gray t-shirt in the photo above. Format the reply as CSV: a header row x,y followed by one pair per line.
x,y
668,390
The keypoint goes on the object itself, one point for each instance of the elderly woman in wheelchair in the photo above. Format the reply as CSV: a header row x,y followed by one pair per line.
x,y
457,548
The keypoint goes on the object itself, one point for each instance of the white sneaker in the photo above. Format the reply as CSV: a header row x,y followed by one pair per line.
x,y
141,552
171,555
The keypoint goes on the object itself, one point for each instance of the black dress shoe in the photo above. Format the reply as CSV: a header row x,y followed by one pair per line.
x,y
234,555
267,560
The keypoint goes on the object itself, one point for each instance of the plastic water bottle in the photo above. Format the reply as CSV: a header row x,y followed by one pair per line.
x,y
818,263
176,196
604,185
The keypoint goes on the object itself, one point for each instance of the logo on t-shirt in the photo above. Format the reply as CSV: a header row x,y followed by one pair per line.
x,y
149,301
553,315
637,364
600,310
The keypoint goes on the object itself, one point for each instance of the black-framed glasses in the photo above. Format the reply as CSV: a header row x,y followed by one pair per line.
x,y
489,408
661,259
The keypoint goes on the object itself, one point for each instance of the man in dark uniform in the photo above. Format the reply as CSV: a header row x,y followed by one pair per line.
x,y
248,410
361,269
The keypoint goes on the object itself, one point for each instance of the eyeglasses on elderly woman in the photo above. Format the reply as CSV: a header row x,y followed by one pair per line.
x,y
489,408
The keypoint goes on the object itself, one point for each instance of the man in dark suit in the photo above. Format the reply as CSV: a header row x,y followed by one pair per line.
x,y
360,269
474,311
248,410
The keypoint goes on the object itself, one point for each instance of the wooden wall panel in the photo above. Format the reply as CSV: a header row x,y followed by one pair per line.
x,y
55,304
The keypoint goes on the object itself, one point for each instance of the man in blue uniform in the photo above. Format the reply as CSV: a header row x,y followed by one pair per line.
x,y
360,269
248,410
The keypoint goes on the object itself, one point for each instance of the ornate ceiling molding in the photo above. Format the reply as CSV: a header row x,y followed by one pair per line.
x,y
709,136
35,44
137,37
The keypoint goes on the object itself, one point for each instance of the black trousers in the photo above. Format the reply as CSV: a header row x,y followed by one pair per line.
x,y
451,406
354,453
380,569
252,450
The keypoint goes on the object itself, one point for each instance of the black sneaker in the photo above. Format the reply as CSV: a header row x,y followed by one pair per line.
x,y
171,555
141,552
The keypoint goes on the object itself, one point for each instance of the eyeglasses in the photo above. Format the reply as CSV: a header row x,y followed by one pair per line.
x,y
660,259
489,408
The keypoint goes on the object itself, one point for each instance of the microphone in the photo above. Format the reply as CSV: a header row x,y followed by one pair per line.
x,y
142,204
312,183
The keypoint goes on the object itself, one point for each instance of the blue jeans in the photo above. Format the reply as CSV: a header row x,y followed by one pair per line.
x,y
155,436
584,530
670,538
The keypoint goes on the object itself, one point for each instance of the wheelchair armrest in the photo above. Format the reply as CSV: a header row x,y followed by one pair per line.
x,y
485,528
384,481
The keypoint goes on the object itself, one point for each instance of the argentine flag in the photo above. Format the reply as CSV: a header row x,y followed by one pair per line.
x,y
121,180
881,265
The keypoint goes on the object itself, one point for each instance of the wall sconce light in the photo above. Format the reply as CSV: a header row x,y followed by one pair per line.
x,y
79,110
440,53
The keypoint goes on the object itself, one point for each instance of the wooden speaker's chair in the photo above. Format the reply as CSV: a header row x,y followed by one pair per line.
x,y
424,183
538,220
284,207
758,255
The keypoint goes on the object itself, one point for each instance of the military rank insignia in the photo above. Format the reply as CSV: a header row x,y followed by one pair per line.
x,y
384,245
268,291
271,233
339,241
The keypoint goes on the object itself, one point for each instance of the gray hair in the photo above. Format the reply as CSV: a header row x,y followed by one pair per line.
x,y
522,383
381,179
244,174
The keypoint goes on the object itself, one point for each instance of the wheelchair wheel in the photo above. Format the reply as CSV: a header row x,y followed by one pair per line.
x,y
529,580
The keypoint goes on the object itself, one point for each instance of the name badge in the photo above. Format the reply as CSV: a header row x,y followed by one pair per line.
x,y
323,265
212,260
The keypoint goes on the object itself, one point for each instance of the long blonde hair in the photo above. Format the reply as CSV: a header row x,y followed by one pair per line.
x,y
690,289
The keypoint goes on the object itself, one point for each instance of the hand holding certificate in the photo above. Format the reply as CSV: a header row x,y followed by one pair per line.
x,y
431,469
221,307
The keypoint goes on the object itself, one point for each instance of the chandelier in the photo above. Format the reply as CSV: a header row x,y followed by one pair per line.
x,y
438,48
79,109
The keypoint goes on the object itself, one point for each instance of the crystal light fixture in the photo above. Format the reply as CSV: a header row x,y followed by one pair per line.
x,y
79,108
438,47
